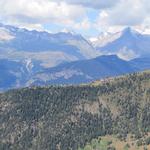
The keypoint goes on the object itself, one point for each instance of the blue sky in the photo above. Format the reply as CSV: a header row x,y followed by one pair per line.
x,y
88,17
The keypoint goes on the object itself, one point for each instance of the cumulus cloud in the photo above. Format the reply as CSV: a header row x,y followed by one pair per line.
x,y
37,11
85,24
122,15
126,13
76,14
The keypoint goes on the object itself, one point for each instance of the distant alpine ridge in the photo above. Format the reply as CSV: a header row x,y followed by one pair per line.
x,y
127,44
49,49
41,58
89,70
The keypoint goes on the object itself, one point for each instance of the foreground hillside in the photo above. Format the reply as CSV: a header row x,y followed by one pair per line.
x,y
69,117
112,142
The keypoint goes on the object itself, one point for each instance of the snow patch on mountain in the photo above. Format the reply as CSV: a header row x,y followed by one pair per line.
x,y
29,65
104,38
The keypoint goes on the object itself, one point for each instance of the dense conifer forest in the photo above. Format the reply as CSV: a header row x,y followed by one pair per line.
x,y
69,117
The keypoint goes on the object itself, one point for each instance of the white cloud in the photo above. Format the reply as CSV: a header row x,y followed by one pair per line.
x,y
75,14
96,4
126,13
83,25
39,12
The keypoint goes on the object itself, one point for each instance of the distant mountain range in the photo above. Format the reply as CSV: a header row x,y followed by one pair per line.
x,y
19,74
89,70
49,49
15,74
127,44
41,58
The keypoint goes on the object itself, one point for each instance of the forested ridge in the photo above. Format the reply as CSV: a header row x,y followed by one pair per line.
x,y
68,117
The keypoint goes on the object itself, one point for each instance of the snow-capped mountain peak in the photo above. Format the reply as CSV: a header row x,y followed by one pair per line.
x,y
105,38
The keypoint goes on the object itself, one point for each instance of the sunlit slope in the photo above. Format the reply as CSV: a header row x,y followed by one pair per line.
x,y
69,117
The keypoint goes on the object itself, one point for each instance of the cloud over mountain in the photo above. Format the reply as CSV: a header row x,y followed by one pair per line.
x,y
92,16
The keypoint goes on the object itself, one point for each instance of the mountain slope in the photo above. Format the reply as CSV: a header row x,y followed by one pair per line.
x,y
29,72
42,50
68,117
127,44
16,73
83,71
60,47
141,63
